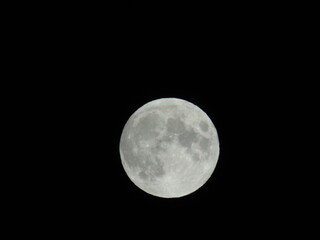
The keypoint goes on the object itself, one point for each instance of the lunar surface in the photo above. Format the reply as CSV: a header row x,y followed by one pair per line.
x,y
169,148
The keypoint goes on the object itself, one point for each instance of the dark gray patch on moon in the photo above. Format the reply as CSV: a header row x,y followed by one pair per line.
x,y
143,175
158,146
151,169
175,126
204,144
203,126
196,157
166,138
187,138
146,127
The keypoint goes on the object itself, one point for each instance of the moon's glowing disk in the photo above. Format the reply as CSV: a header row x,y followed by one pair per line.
x,y
169,147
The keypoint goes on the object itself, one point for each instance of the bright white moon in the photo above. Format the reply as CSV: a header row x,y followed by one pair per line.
x,y
169,147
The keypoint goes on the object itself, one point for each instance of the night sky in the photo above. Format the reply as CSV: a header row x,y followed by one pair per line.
x,y
77,76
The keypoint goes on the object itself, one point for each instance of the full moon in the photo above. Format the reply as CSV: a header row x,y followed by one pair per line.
x,y
169,147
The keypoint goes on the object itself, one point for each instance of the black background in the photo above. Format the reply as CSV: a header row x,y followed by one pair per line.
x,y
77,73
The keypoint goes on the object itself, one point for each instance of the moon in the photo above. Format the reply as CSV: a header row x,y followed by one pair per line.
x,y
169,148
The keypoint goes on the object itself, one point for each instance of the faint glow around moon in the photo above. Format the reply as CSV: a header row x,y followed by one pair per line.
x,y
169,147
